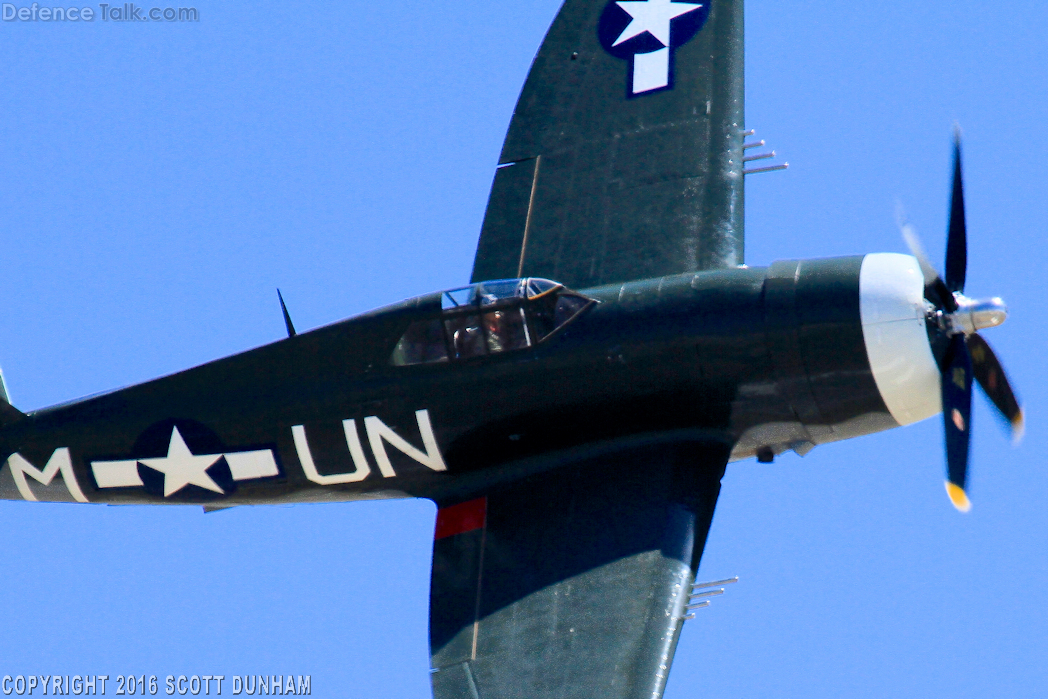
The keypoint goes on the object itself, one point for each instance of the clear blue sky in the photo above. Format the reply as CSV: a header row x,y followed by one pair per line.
x,y
158,181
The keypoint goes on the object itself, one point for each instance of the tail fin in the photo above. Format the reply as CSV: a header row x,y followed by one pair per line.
x,y
8,412
624,156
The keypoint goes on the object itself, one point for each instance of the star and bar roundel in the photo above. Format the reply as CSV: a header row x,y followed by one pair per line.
x,y
186,460
646,33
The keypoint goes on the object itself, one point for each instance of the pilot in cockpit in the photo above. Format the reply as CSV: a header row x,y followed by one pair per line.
x,y
493,330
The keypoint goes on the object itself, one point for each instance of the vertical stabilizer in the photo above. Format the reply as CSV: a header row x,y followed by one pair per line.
x,y
8,412
4,395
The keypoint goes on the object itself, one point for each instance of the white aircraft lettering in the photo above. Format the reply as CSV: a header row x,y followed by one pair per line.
x,y
360,463
59,463
379,434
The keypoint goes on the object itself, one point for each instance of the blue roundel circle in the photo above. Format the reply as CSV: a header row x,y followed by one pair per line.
x,y
614,21
155,443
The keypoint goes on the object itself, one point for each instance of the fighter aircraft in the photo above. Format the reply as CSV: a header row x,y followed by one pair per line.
x,y
627,352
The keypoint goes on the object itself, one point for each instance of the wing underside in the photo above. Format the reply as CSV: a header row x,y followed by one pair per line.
x,y
600,184
573,582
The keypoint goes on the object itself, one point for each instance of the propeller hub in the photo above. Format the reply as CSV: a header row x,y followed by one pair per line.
x,y
975,314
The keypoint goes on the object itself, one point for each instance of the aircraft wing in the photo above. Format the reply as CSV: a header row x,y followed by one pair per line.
x,y
623,159
572,582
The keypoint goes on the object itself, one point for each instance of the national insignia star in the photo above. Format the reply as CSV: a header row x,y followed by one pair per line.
x,y
652,16
181,467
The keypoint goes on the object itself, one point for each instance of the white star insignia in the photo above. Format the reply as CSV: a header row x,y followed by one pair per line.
x,y
652,16
181,467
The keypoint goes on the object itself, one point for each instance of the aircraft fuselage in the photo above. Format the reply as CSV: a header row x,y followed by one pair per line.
x,y
763,359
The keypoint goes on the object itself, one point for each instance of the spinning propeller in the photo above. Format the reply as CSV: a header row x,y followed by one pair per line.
x,y
967,354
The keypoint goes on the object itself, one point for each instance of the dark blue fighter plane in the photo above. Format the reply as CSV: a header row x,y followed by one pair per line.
x,y
627,356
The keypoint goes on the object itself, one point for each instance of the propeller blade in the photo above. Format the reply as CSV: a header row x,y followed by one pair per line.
x,y
909,234
957,237
991,377
957,419
932,280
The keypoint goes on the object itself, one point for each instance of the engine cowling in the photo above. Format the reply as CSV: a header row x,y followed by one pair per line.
x,y
894,327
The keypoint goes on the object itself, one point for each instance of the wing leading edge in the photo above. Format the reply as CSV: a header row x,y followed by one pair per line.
x,y
572,583
606,178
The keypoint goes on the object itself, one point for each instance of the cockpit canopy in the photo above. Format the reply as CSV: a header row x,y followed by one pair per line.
x,y
497,291
490,317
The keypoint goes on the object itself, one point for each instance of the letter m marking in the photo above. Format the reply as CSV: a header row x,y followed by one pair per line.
x,y
59,463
